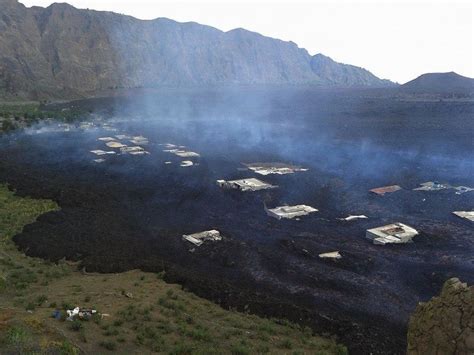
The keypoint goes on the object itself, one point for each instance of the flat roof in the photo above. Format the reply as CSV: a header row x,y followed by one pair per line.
x,y
391,233
469,215
290,211
385,189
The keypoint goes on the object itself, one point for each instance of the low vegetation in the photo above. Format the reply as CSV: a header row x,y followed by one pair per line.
x,y
139,312
24,114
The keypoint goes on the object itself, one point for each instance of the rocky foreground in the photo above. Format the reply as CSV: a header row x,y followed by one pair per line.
x,y
444,325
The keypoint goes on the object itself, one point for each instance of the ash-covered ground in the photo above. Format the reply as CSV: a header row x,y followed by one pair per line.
x,y
131,211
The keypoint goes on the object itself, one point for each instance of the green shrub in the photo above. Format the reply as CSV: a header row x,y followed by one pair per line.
x,y
286,344
76,325
109,345
111,332
66,348
16,336
240,350
41,299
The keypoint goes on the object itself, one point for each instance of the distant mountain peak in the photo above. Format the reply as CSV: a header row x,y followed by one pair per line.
x,y
448,82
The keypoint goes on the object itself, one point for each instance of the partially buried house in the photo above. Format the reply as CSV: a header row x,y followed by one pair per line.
x,y
201,237
250,184
274,168
385,189
466,215
395,233
290,212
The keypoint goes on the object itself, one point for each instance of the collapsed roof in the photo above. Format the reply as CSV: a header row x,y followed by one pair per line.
x,y
201,237
250,184
273,168
395,233
385,189
290,211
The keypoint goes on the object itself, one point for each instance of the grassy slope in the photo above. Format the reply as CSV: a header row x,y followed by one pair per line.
x,y
144,314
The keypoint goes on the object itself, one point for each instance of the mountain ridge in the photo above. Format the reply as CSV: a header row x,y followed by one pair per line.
x,y
62,51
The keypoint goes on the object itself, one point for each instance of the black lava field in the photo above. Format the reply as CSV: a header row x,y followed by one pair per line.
x,y
131,211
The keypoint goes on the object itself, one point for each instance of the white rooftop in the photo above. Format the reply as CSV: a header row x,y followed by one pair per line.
x,y
250,184
102,152
199,238
115,145
273,168
182,153
352,217
290,211
395,233
106,139
331,255
469,215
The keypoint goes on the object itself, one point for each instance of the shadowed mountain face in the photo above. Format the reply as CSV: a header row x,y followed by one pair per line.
x,y
440,83
61,51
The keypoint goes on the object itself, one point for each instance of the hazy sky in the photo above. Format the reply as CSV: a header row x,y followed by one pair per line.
x,y
397,40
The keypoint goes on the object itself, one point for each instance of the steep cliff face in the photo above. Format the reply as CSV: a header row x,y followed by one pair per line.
x,y
444,325
344,74
63,51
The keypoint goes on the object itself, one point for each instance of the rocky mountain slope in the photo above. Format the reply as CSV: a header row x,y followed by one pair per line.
x,y
440,83
61,51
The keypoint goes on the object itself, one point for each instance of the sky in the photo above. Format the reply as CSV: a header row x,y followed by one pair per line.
x,y
396,40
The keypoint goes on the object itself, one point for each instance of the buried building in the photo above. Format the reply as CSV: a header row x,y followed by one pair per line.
x,y
290,211
139,140
102,152
251,184
106,139
386,189
199,238
114,144
133,150
395,233
437,186
466,215
186,163
331,255
182,153
432,186
353,217
273,168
